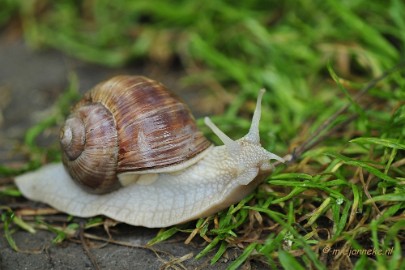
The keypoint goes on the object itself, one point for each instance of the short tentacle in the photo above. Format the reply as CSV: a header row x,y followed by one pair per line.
x,y
232,146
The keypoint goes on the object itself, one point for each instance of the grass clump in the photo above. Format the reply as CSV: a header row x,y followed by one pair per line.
x,y
342,203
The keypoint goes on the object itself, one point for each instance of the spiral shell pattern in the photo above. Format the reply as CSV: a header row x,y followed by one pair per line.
x,y
127,124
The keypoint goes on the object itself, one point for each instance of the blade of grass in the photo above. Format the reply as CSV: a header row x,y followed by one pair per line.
x,y
366,32
7,218
209,247
387,142
307,249
341,221
243,257
399,197
288,261
221,250
163,235
363,165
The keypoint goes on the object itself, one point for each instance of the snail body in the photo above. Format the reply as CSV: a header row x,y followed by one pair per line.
x,y
201,181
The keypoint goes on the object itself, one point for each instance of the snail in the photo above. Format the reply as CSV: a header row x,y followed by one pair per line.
x,y
131,151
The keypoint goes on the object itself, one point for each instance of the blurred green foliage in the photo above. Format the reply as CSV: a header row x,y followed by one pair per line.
x,y
282,46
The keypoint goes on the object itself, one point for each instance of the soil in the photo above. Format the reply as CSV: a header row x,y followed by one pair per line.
x,y
30,83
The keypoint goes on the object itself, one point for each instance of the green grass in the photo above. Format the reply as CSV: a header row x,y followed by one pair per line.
x,y
342,198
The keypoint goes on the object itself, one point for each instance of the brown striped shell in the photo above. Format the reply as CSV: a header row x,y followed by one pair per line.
x,y
126,124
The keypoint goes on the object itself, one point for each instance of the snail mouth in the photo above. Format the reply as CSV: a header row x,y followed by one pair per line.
x,y
73,137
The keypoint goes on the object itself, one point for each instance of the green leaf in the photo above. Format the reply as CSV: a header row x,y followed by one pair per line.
x,y
393,197
284,176
391,143
243,257
293,193
277,217
22,224
209,247
341,223
367,33
219,253
34,131
163,235
288,261
272,243
320,210
7,218
307,185
363,165
10,191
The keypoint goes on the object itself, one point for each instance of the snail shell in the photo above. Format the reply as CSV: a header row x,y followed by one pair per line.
x,y
196,181
127,124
